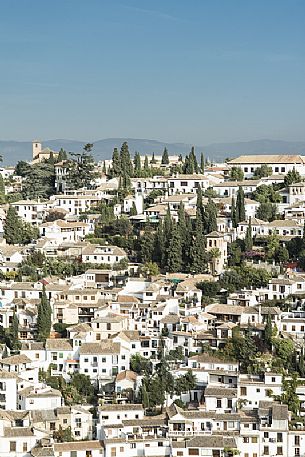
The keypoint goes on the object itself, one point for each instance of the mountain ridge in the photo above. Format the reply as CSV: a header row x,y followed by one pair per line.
x,y
13,151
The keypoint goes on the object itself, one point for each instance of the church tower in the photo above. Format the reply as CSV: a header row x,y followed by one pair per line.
x,y
37,148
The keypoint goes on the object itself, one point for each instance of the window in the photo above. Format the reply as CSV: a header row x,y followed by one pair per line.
x,y
133,445
254,439
243,391
279,450
108,326
65,421
25,447
297,440
78,422
12,446
258,390
179,453
246,439
52,426
297,451
113,452
73,454
279,437
266,435
230,404
193,451
273,379
121,449
266,450
160,443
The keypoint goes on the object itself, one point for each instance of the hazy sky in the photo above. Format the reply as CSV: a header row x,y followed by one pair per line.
x,y
196,71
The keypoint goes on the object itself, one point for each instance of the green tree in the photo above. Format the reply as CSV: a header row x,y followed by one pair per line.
x,y
165,157
146,165
2,190
137,164
13,334
116,164
268,333
140,364
202,163
63,435
292,177
147,245
62,155
198,256
81,169
289,396
150,269
39,182
233,214
262,171
248,238
13,227
153,159
44,317
240,205
174,258
133,210
267,211
236,174
210,217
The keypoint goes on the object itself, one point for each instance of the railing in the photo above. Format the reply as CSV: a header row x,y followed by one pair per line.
x,y
189,432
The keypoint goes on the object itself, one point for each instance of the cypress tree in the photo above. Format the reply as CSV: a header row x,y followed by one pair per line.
x,y
2,190
199,204
137,164
133,209
210,217
153,159
240,205
268,332
193,160
202,163
174,259
165,157
44,317
104,168
62,155
13,340
233,213
146,164
147,245
182,222
167,235
116,165
159,246
248,238
198,257
125,160
182,230
13,227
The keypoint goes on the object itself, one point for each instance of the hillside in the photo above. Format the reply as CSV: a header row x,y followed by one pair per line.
x,y
13,151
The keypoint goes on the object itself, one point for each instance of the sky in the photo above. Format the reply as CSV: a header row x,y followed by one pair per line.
x,y
194,71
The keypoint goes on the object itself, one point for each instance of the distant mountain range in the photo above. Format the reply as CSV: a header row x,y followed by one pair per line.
x,y
13,151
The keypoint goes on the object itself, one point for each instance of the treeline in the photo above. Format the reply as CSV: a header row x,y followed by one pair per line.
x,y
124,167
39,178
180,246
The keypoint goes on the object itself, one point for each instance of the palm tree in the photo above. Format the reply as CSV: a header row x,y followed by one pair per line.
x,y
214,254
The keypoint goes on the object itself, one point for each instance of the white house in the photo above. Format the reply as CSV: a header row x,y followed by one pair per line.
x,y
280,163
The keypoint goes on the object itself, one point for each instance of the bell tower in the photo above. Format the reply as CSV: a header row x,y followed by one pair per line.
x,y
36,149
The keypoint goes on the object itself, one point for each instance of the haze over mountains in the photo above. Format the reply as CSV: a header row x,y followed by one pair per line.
x,y
13,151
